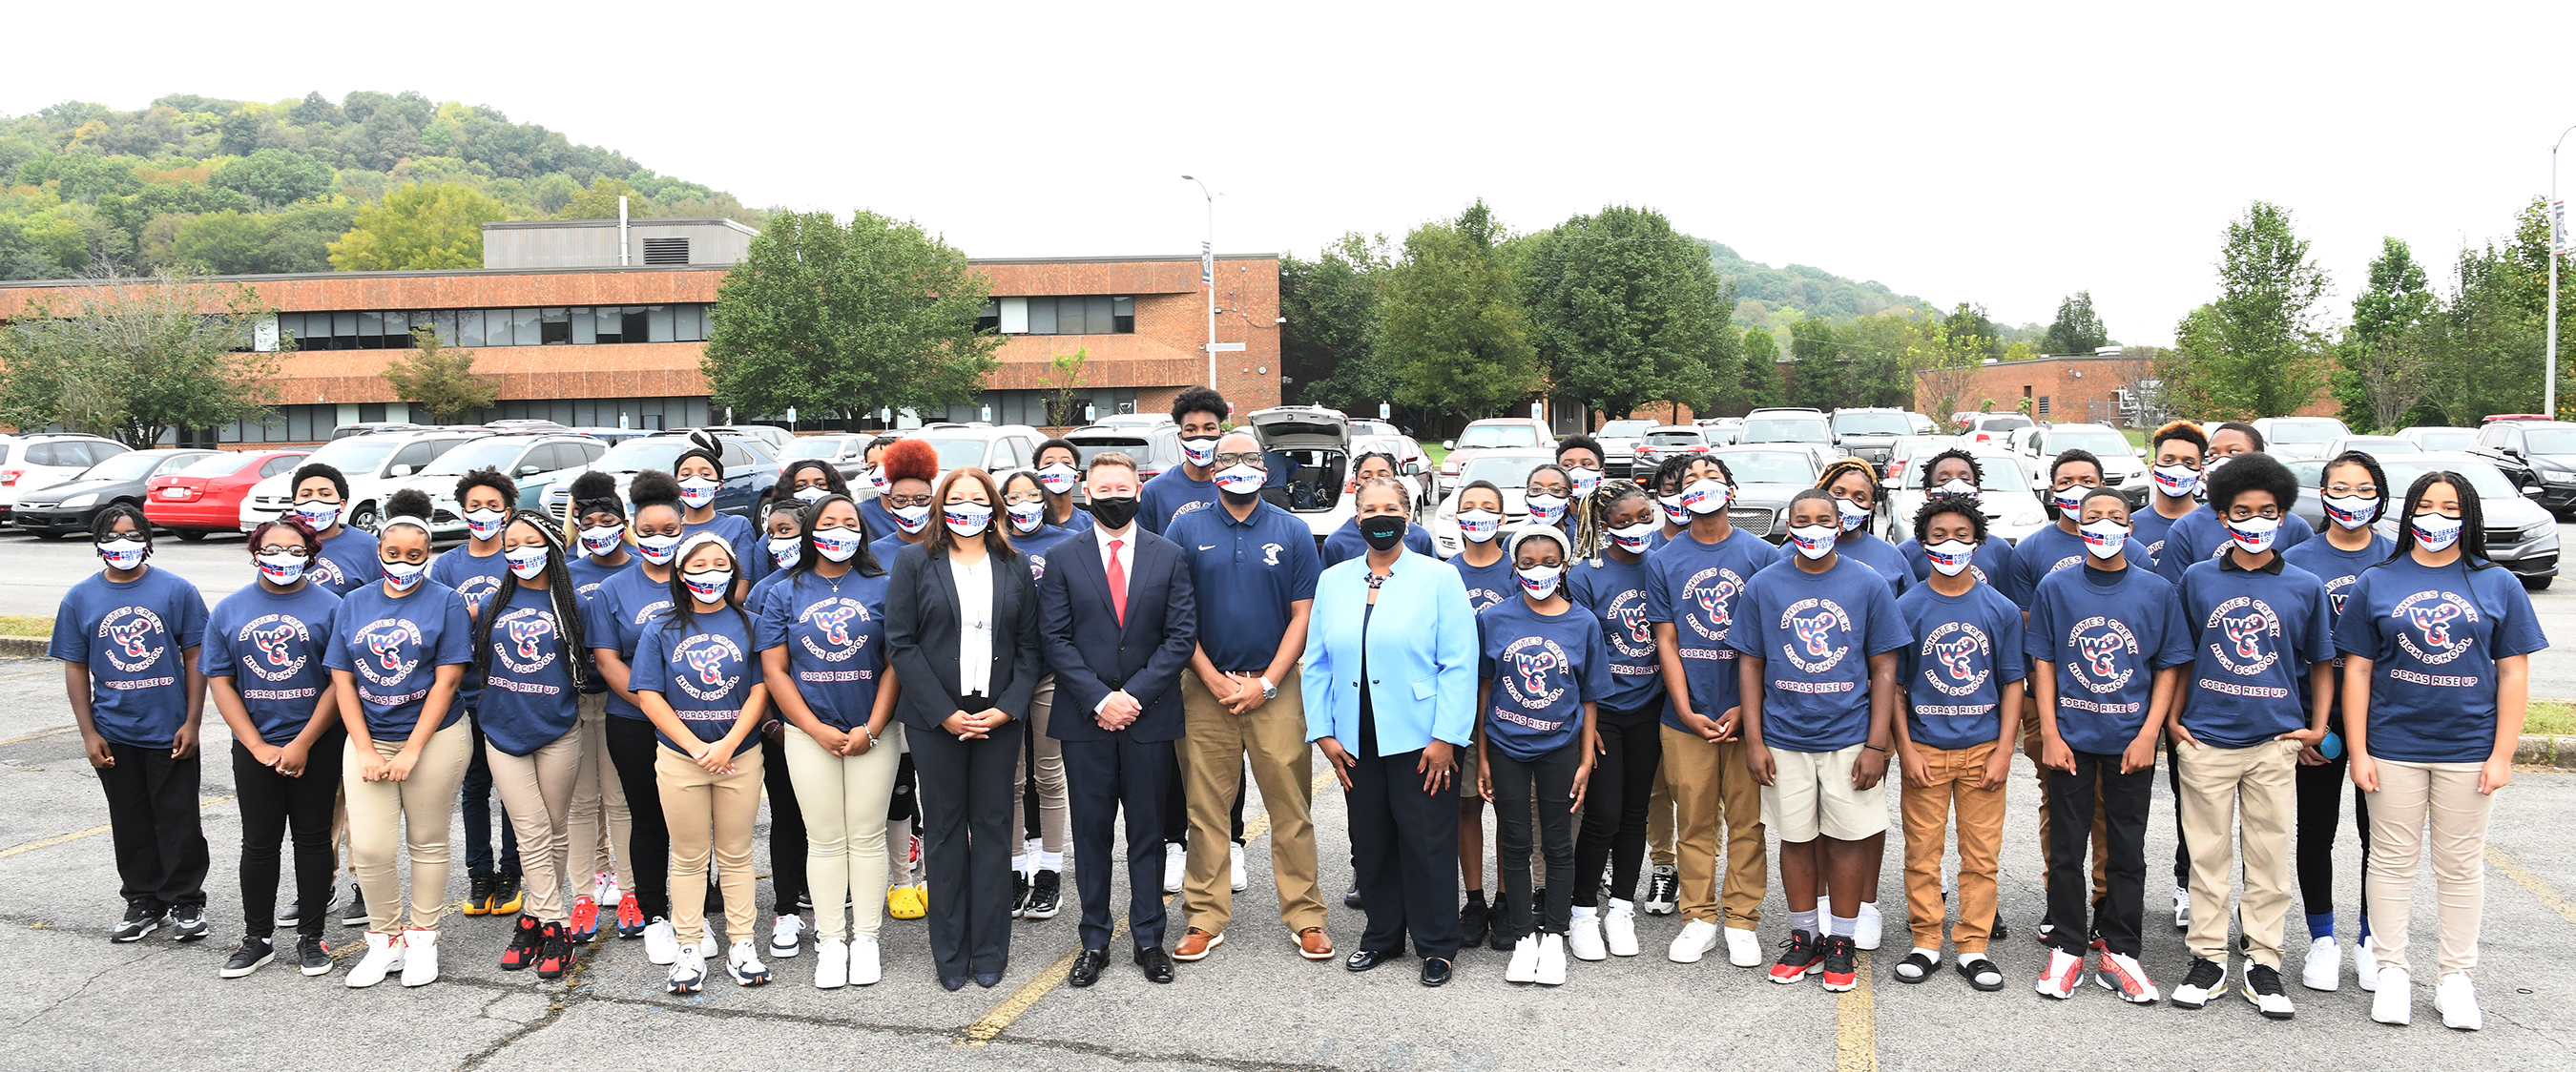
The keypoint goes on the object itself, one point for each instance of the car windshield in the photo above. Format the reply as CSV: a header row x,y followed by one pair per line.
x,y
1786,430
1872,424
1997,474
2489,483
1090,447
488,454
637,455
356,454
2304,432
1506,471
2550,440
1626,428
222,464
2100,444
2004,423
1682,439
1773,467
812,447
131,465
1479,436
2447,438
2383,446
957,451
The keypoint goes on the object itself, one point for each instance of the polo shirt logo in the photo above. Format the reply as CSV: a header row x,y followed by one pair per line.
x,y
1270,554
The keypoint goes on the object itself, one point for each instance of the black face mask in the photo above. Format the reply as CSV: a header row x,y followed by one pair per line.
x,y
1232,499
1114,513
1382,531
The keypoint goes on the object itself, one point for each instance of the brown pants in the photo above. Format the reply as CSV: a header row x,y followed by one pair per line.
x,y
1927,808
414,813
709,813
2101,831
1214,749
601,836
1710,786
536,789
2446,796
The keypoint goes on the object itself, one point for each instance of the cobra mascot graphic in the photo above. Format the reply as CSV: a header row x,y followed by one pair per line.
x,y
2098,654
1954,656
835,623
1533,666
709,663
271,643
2433,622
131,636
527,633
2245,634
1816,632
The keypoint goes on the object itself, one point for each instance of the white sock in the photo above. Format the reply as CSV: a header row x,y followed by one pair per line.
x,y
1971,958
1845,926
1020,865
1581,912
1032,846
1805,921
1617,905
1051,861
1934,954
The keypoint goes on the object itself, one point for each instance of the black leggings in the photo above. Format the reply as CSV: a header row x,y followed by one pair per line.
x,y
2320,808
632,749
786,825
271,803
1614,807
1547,780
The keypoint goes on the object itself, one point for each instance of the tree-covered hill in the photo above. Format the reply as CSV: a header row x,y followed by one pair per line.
x,y
1762,292
224,186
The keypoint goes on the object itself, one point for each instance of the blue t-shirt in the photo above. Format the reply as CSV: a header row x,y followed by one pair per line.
x,y
1617,594
529,699
2046,551
2149,530
878,519
1171,494
705,671
887,548
1543,668
1991,565
615,618
2254,633
1870,551
394,645
2107,632
2337,569
1696,586
1487,585
1034,547
474,579
134,637
587,575
1816,633
348,561
1963,651
1078,521
1347,543
271,645
2434,635
751,560
2199,537
834,633
1246,574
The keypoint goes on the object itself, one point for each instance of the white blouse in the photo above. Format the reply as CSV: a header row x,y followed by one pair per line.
x,y
974,625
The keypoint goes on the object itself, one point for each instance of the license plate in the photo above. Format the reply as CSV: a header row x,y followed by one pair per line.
x,y
174,493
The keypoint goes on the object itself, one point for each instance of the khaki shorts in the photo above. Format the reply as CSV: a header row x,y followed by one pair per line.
x,y
1811,793
1467,774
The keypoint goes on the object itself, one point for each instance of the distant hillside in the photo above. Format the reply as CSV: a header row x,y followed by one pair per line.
x,y
231,186
1762,292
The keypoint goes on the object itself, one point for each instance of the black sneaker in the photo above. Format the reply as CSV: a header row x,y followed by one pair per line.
x,y
554,951
290,913
1019,895
141,919
2263,988
247,959
1354,901
1663,892
354,913
2205,979
1800,956
1473,919
804,900
188,923
478,895
312,957
525,942
1500,941
1046,895
1839,953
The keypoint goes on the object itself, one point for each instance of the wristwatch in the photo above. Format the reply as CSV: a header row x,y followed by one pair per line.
x,y
1268,690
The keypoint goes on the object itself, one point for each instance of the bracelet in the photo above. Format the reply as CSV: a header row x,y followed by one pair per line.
x,y
1872,747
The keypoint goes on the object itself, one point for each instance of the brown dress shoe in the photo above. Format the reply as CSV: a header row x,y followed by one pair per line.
x,y
1195,945
1313,944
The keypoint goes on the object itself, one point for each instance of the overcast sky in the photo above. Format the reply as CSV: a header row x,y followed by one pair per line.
x,y
2002,155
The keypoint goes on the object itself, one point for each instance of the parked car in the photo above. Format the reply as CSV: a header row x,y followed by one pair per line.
x,y
1994,428
1309,450
2004,494
2547,448
43,459
2438,437
534,462
1921,424
749,470
846,454
1362,426
999,449
1765,479
1492,433
52,512
1802,426
1509,469
372,463
2121,466
2289,438
1868,434
206,497
1909,450
359,428
1412,466
1618,441
2373,445
1722,431
523,425
1156,447
1666,440
1132,420
2521,534
772,437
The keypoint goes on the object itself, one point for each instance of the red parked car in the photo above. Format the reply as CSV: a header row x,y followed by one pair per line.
x,y
207,497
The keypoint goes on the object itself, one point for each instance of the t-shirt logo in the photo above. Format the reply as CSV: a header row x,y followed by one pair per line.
x,y
2338,590
1816,623
710,659
831,619
1037,567
1185,510
2099,643
2249,631
526,629
1634,636
1714,590
2437,626
1480,598
1270,554
279,640
1532,659
135,635
1953,650
476,589
391,641
330,572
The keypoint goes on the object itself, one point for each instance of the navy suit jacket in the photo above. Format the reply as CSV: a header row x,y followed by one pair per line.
x,y
1092,656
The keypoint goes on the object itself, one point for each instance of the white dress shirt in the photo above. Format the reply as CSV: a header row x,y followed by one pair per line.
x,y
974,624
1125,555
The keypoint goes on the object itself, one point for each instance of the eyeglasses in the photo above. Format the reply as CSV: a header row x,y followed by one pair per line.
x,y
2367,491
2248,513
1023,498
898,502
1252,458
292,551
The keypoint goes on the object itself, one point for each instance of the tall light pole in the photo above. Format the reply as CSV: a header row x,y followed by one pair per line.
x,y
1207,265
2557,248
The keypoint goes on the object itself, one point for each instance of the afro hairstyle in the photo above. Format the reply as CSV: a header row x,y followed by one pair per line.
x,y
2253,472
911,459
488,477
653,487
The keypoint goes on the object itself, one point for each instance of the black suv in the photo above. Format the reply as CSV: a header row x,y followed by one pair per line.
x,y
2546,449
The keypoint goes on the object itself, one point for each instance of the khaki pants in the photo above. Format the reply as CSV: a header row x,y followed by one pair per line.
x,y
1054,808
1659,818
536,790
600,834
1215,745
844,799
1954,773
423,806
1711,785
709,813
2030,743
2445,795
2225,790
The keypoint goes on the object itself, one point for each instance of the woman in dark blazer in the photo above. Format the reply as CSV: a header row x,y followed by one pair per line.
x,y
962,629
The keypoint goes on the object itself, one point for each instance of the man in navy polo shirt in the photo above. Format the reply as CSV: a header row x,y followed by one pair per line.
x,y
1257,565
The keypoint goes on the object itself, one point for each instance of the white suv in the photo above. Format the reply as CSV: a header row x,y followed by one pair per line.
x,y
531,461
43,459
999,449
373,464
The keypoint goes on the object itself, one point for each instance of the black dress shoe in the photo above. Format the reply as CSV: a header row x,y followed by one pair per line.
x,y
953,983
1369,958
1156,962
988,980
1435,971
1086,967
1352,901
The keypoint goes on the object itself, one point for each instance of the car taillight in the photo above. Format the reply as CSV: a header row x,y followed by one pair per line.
x,y
9,477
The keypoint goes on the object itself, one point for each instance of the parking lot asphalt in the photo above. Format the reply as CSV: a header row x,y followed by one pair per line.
x,y
82,1002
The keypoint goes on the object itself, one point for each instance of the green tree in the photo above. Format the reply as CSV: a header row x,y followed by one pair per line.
x,y
2077,329
426,226
439,380
1762,385
1451,324
1944,356
1968,320
2258,351
848,320
1624,310
2384,363
275,177
599,202
1327,347
1817,370
1066,371
137,358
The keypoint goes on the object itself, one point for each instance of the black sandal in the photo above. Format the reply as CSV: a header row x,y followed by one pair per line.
x,y
1976,967
1920,965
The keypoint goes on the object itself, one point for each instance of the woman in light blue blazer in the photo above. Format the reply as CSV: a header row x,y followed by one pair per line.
x,y
1394,742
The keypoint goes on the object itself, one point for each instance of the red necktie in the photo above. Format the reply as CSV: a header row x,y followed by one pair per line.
x,y
1117,583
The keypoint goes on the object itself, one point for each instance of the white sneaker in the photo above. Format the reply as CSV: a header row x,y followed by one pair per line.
x,y
1618,930
2457,999
831,964
1868,930
1241,880
2263,988
2394,1001
1524,965
864,969
1663,891
2324,970
1551,962
1176,866
688,970
2365,965
603,889
1743,947
2200,983
2124,976
2059,978
1696,939
1583,936
384,955
786,935
420,957
743,963
2182,908
662,944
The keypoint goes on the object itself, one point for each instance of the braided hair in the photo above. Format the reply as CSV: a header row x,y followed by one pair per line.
x,y
1592,529
564,602
1843,467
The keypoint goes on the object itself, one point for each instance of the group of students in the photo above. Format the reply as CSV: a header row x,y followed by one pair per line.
x,y
1624,666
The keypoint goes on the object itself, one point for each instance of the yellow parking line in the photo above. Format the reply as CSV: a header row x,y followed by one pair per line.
x,y
54,732
2522,876
94,831
1856,1024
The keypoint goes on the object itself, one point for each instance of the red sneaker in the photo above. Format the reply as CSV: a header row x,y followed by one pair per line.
x,y
1801,955
630,917
524,941
1838,963
585,919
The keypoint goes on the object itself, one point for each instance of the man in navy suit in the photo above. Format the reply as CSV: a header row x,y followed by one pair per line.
x,y
1119,624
